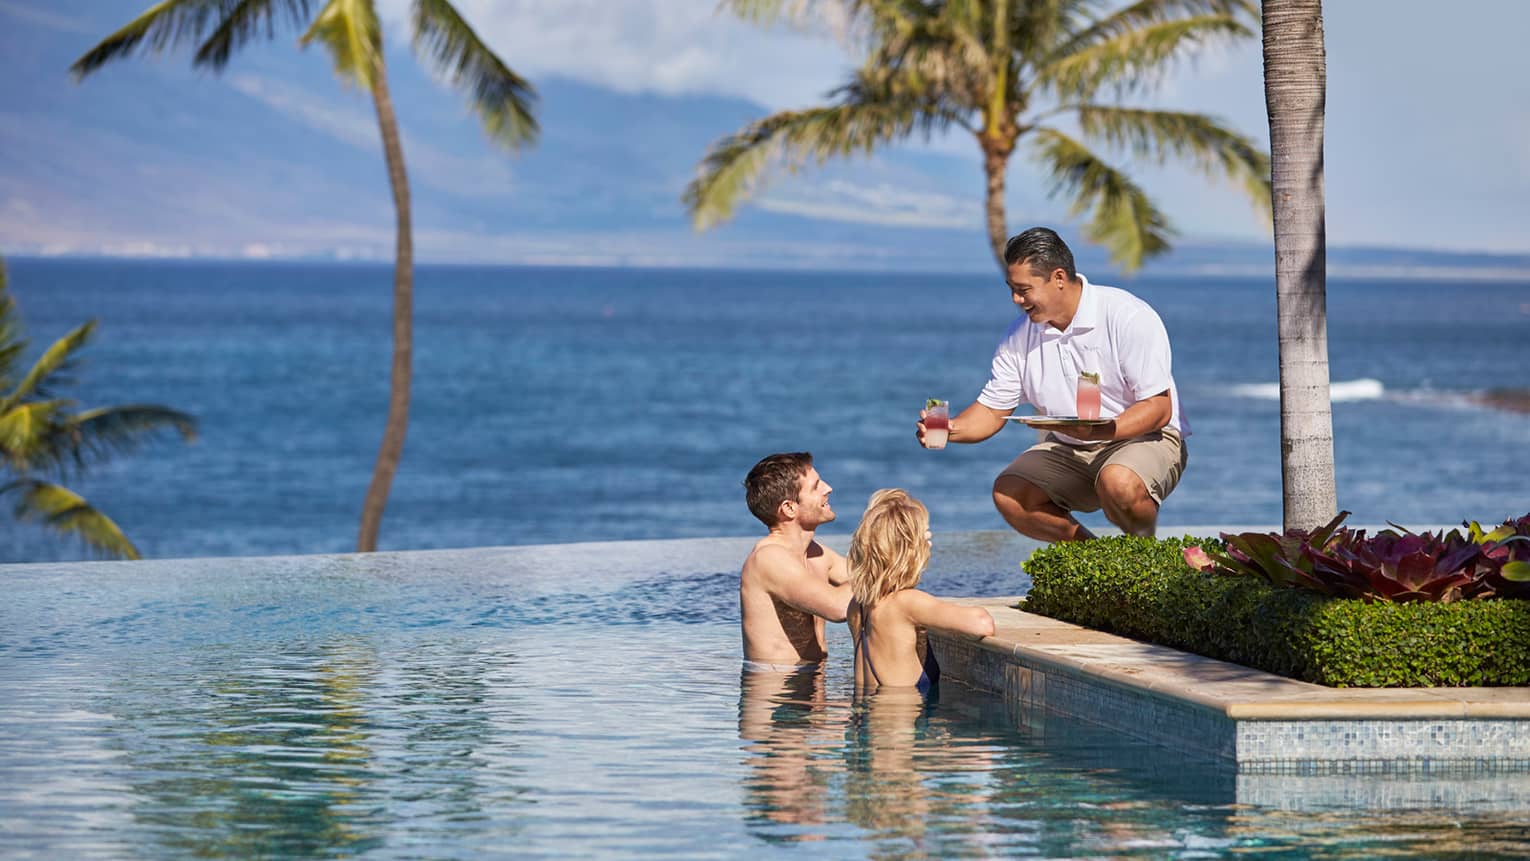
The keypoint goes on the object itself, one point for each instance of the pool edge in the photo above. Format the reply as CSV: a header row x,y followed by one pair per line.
x,y
1227,712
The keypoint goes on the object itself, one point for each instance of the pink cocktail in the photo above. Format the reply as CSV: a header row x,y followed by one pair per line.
x,y
937,423
1088,395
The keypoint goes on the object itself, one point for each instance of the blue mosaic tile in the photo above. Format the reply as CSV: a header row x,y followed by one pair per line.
x,y
1269,746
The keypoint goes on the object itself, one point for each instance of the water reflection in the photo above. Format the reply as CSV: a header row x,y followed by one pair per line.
x,y
313,749
885,792
451,753
792,737
253,754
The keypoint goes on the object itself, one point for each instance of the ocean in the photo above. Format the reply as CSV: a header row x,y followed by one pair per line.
x,y
556,405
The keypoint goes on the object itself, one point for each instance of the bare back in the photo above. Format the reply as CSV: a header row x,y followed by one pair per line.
x,y
893,644
895,641
784,597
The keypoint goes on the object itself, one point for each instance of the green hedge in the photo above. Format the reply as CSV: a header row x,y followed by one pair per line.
x,y
1142,588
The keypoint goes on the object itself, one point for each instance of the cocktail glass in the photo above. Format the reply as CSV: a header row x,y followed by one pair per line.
x,y
937,423
1088,395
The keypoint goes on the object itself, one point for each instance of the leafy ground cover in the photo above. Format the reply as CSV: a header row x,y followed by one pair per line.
x,y
1334,606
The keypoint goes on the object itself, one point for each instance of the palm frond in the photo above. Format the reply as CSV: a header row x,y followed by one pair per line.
x,y
799,13
928,57
351,32
1147,12
1213,148
1122,218
12,344
66,512
56,361
1135,59
767,12
734,165
1036,28
503,99
163,25
243,21
855,24
27,435
99,433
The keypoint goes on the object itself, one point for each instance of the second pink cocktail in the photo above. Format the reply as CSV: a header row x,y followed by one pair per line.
x,y
1088,395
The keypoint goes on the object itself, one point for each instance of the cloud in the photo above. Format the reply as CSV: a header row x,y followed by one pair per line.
x,y
881,204
670,47
343,124
479,177
678,248
46,20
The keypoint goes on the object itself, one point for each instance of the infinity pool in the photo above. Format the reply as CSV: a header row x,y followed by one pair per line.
x,y
586,700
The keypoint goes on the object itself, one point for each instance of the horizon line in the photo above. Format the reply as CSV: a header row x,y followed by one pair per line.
x,y
1483,271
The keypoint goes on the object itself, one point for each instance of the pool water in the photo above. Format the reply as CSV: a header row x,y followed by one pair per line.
x,y
587,700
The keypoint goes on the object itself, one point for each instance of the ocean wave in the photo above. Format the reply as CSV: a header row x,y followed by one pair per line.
x,y
1365,389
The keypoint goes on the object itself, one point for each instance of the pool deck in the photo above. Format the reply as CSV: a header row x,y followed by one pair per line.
x,y
1225,711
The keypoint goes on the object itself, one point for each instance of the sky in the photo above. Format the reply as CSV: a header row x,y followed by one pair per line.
x,y
1427,145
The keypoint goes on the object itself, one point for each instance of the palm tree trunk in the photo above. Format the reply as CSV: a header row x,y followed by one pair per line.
x,y
1295,81
397,426
994,163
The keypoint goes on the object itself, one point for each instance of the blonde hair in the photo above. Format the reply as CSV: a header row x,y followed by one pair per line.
x,y
888,551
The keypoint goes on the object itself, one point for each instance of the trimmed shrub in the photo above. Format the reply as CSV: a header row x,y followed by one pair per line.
x,y
1142,588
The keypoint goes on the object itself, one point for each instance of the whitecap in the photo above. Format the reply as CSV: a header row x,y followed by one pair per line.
x,y
1356,390
1365,389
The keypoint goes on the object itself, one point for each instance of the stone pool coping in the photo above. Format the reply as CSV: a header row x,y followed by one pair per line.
x,y
1235,691
1224,710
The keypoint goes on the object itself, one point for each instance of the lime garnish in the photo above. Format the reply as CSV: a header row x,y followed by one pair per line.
x,y
1091,376
931,403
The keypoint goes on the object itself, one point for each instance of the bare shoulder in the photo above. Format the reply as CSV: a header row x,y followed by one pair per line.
x,y
912,601
770,559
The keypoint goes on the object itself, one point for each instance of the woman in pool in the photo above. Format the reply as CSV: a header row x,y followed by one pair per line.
x,y
887,615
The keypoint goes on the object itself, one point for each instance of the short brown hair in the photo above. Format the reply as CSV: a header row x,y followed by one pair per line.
x,y
773,481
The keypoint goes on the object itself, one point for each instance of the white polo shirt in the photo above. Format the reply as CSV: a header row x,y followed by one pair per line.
x,y
1113,333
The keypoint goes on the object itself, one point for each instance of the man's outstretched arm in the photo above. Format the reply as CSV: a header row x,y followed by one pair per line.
x,y
791,582
975,424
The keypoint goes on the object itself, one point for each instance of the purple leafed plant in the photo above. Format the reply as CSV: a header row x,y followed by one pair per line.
x,y
1506,558
1396,566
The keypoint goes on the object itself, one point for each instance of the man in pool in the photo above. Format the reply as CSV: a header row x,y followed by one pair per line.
x,y
1069,327
790,583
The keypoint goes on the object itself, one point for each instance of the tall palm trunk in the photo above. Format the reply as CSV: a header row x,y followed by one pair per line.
x,y
997,145
1295,80
392,448
998,231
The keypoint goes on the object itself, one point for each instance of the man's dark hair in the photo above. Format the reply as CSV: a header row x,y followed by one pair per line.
x,y
1042,249
774,480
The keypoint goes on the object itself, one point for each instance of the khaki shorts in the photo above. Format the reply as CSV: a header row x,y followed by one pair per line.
x,y
1067,472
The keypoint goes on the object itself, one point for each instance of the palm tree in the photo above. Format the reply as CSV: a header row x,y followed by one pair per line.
x,y
352,33
1295,80
1007,72
42,434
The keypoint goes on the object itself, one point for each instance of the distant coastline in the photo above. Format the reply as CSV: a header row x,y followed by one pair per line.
x,y
1188,260
1511,400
